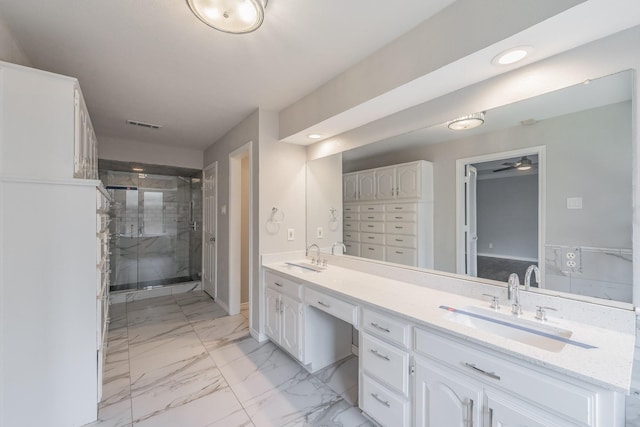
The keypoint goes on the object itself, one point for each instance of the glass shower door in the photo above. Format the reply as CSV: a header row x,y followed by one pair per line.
x,y
125,227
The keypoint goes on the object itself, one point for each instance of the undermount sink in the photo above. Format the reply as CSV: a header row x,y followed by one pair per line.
x,y
507,326
305,267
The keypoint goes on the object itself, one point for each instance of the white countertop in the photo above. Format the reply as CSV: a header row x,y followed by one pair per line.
x,y
609,365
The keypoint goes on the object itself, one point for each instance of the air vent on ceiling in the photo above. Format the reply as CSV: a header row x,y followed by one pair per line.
x,y
143,124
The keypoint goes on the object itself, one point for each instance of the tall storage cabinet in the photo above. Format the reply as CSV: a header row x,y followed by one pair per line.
x,y
388,213
54,251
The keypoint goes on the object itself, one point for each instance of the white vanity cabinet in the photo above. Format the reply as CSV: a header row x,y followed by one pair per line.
x,y
384,368
283,321
457,384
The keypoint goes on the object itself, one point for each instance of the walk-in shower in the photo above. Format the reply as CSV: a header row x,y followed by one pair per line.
x,y
156,218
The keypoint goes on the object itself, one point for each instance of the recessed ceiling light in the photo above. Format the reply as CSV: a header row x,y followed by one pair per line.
x,y
511,56
467,122
314,136
137,169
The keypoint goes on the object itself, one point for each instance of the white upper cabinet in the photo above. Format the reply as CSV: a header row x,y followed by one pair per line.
x,y
46,113
350,187
386,182
367,185
408,181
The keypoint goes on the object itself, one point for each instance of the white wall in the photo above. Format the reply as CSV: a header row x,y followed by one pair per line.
x,y
507,211
10,51
126,150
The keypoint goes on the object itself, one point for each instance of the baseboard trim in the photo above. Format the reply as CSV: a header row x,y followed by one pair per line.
x,y
257,335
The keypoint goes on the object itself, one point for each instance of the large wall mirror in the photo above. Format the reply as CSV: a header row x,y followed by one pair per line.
x,y
570,213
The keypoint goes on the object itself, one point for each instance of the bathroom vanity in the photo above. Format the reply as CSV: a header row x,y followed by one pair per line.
x,y
432,351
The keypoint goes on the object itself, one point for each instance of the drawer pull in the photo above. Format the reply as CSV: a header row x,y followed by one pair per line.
x,y
370,226
399,240
398,217
483,372
371,217
277,284
399,252
399,228
371,249
370,237
377,353
398,208
382,328
384,402
370,209
324,304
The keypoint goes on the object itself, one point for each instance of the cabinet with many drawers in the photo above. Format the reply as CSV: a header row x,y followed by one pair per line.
x,y
54,251
393,220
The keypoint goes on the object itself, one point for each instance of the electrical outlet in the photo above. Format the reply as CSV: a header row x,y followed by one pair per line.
x,y
290,234
319,233
572,260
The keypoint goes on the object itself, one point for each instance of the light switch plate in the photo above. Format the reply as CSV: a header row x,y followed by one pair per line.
x,y
574,202
290,234
319,233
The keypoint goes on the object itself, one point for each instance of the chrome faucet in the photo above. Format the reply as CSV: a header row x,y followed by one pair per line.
x,y
313,260
333,247
527,277
513,293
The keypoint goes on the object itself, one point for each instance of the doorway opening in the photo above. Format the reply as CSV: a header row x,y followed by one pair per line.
x,y
500,227
240,226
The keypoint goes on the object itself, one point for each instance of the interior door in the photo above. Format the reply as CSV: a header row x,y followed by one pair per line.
x,y
210,204
471,220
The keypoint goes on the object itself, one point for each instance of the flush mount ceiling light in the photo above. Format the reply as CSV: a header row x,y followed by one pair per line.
x,y
467,122
314,136
230,16
511,56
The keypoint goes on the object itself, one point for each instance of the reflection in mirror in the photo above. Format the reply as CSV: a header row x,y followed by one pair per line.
x,y
584,231
324,202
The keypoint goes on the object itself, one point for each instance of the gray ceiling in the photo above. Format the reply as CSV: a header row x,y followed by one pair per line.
x,y
154,61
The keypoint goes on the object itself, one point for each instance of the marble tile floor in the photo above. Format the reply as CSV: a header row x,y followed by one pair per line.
x,y
180,361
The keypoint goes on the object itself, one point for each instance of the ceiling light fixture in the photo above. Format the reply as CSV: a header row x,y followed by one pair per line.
x,y
467,122
137,169
314,136
230,16
511,56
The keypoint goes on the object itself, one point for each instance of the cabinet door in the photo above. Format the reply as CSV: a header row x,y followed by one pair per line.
x,y
367,185
386,183
444,397
290,338
350,187
505,411
272,316
408,178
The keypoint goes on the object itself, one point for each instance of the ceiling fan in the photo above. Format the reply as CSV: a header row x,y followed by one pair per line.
x,y
523,164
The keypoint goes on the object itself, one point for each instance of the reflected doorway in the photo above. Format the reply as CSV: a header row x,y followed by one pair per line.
x,y
502,214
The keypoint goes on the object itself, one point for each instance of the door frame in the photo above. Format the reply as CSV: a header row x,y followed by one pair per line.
x,y
235,224
213,166
540,151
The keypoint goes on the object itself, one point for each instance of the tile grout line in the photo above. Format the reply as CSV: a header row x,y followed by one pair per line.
x,y
218,368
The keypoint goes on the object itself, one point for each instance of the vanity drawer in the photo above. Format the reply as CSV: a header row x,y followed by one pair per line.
x,y
351,236
534,386
351,216
404,256
282,284
351,225
353,248
402,207
377,239
372,216
385,362
332,305
371,208
405,241
372,227
351,208
372,251
386,327
402,228
400,216
387,408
